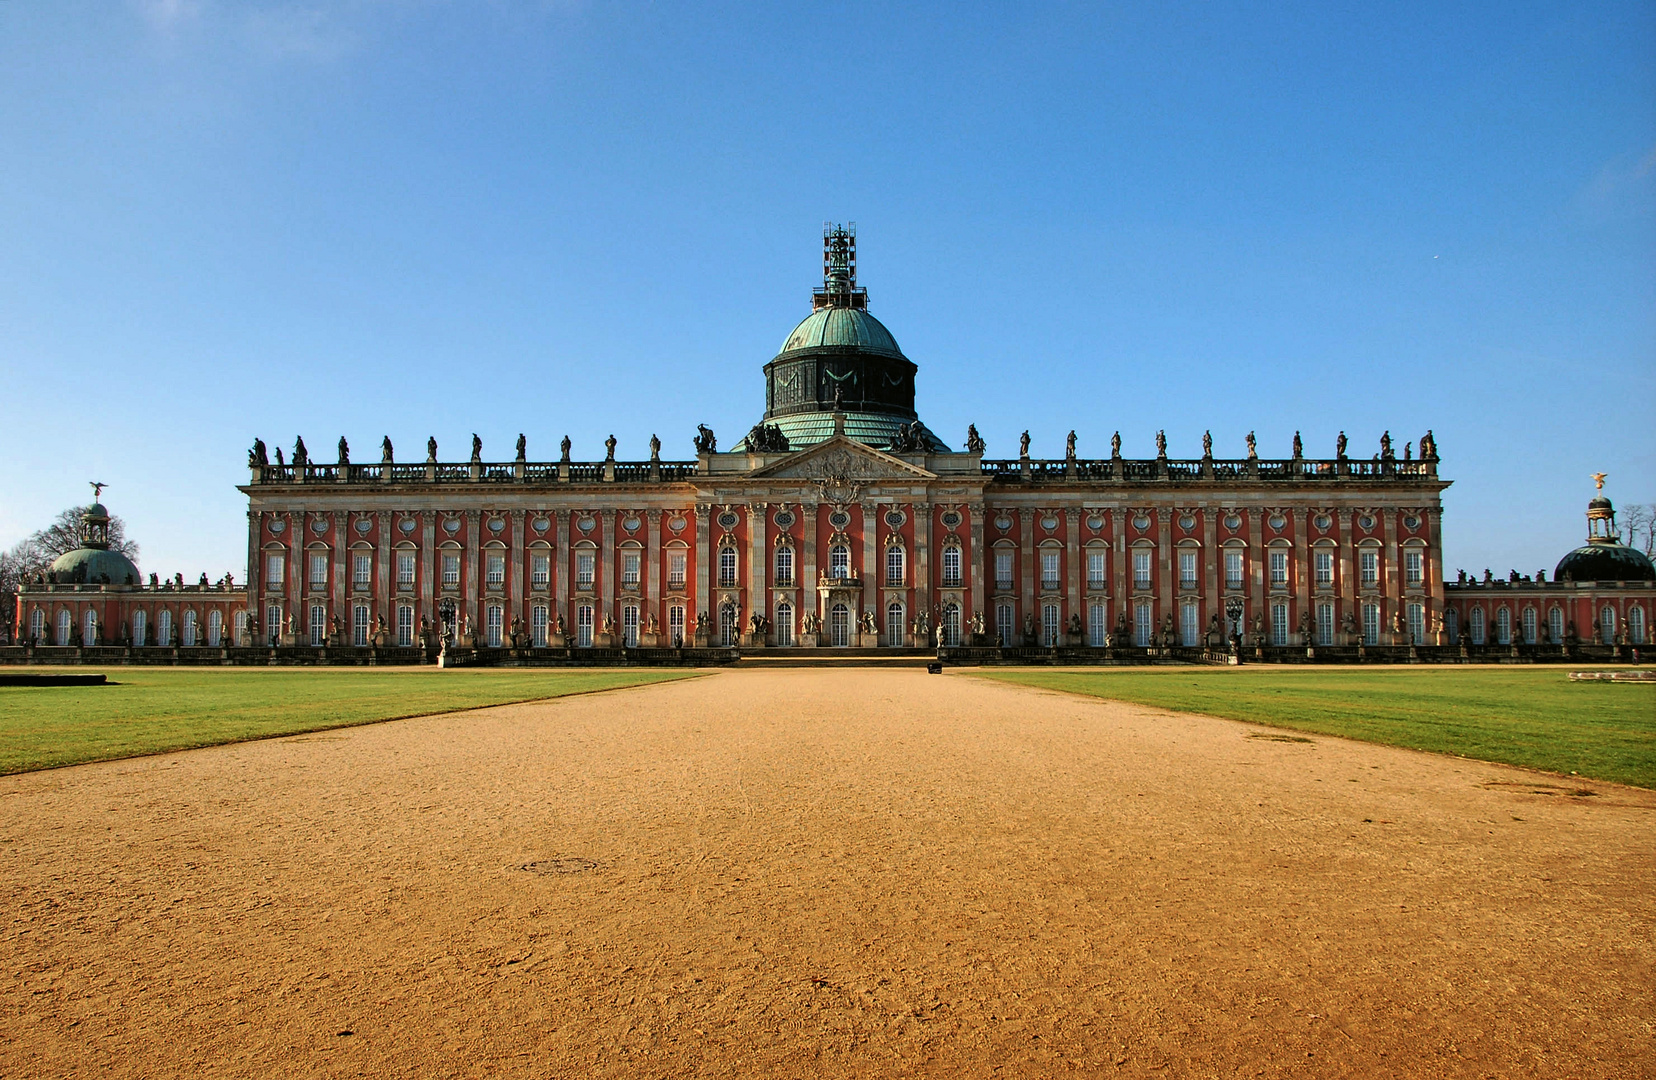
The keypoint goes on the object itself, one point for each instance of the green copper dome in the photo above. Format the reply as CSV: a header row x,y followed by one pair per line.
x,y
838,327
93,566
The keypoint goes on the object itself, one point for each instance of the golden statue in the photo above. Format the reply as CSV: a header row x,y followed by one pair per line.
x,y
1598,478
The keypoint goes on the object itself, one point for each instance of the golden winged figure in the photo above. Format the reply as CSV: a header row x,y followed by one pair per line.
x,y
1598,478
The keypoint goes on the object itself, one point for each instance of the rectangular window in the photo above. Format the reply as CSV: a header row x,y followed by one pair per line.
x,y
495,568
629,569
405,626
1503,627
1233,569
1190,624
362,570
1530,626
1555,626
275,571
318,625
1141,569
493,618
675,569
583,626
675,625
1051,625
1095,569
451,570
1097,625
405,569
319,570
1279,624
1049,570
1006,625
163,630
273,624
1187,569
1368,567
140,624
839,561
784,625
359,626
896,626
784,567
629,626
1323,567
1279,569
1371,624
1325,624
540,570
727,567
1003,569
1417,624
894,565
1413,567
537,626
215,628
951,567
1142,626
583,569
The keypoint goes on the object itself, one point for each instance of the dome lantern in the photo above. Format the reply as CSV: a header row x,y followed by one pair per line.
x,y
1604,557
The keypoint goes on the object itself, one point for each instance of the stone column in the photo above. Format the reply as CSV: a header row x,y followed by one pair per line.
x,y
810,514
471,573
1258,570
255,581
701,603
758,563
385,580
1121,585
1072,565
515,571
1026,571
606,573
922,562
1213,560
340,526
1166,570
562,552
1391,581
652,570
978,601
870,564
428,567
1432,569
1301,577
1344,521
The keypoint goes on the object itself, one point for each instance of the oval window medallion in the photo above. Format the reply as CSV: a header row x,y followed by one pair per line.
x,y
1050,522
784,519
278,526
1095,523
451,526
839,519
319,525
895,518
496,524
630,524
676,524
1411,522
1233,521
406,526
540,524
1187,522
1278,521
1003,523
363,526
586,524
951,520
1141,522
1366,522
728,519
1323,521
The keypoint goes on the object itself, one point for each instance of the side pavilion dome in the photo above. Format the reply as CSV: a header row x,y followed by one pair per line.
x,y
94,562
1604,557
840,359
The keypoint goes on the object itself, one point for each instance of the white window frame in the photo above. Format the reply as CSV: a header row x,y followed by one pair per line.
x,y
1235,569
1371,623
784,624
951,566
362,570
583,626
1279,623
359,625
539,619
140,626
1325,623
1098,624
675,624
1006,624
1322,568
540,569
494,569
895,565
1144,624
318,570
494,625
1096,573
318,625
839,561
451,569
1278,562
1052,625
729,565
1051,570
405,625
275,569
784,560
586,562
676,560
1190,623
1188,567
1003,569
1368,567
406,563
896,625
1414,566
632,560
629,625
1142,568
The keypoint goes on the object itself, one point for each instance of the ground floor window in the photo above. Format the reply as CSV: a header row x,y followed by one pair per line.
x,y
164,629
1503,627
192,636
405,625
1142,626
1371,624
1477,625
896,625
37,624
359,625
140,626
89,629
65,627
1636,624
839,625
1097,625
1451,626
493,618
629,626
1006,621
675,625
1051,625
1279,624
1607,623
951,624
730,629
273,624
1555,626
1417,624
1325,624
537,626
1190,623
784,624
215,628
583,626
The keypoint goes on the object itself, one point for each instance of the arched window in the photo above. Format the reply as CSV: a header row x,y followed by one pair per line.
x,y
583,626
839,561
951,566
1325,623
1451,626
896,625
359,625
1143,624
784,624
1636,624
37,624
1530,626
1190,623
1477,625
1607,623
89,628
1416,615
405,625
163,629
1097,625
785,566
727,566
273,625
629,626
318,625
191,638
675,625
894,565
493,618
1279,623
1371,624
537,626
1555,626
1503,626
730,628
839,625
140,628
1051,625
215,628
951,624
66,626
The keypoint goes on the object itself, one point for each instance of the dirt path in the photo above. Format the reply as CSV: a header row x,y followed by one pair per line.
x,y
799,873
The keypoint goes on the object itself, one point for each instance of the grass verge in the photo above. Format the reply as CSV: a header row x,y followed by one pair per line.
x,y
151,710
1533,717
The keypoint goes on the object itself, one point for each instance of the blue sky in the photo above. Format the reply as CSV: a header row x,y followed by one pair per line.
x,y
412,217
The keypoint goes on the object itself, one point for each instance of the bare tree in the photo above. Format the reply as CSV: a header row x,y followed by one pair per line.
x,y
34,553
1638,522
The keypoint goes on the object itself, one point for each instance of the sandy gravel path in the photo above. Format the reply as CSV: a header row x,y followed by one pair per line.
x,y
799,873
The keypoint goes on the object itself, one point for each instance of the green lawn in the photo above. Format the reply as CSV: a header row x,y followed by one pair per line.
x,y
148,710
1521,716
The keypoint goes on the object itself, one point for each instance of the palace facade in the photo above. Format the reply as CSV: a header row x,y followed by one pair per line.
x,y
838,520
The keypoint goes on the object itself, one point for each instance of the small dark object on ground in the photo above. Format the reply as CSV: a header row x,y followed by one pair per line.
x,y
934,668
29,678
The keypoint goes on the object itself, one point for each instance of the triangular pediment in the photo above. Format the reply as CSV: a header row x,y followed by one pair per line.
x,y
843,461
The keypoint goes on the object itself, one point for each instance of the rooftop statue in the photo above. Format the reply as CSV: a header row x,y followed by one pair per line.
x,y
974,441
477,449
1339,447
300,456
1386,453
431,448
1161,444
385,450
1207,444
1299,446
1253,446
706,443
1428,447
522,447
1069,445
1115,445
655,452
563,447
1023,444
257,455
609,448
344,451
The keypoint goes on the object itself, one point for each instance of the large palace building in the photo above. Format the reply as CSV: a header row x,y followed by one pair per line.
x,y
839,520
